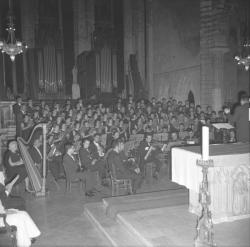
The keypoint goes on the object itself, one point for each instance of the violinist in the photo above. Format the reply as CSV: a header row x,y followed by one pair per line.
x,y
148,153
119,166
91,165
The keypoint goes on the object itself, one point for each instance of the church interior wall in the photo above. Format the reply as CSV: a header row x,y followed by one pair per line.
x,y
176,48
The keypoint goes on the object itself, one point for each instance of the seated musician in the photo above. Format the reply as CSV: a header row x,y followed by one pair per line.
x,y
91,165
97,153
14,165
148,154
182,132
26,126
36,152
119,167
5,191
55,159
190,138
96,150
71,164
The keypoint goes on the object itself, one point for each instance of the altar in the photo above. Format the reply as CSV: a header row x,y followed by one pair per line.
x,y
229,179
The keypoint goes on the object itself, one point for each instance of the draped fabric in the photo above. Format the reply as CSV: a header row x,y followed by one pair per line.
x,y
50,68
50,71
114,70
106,69
98,78
130,80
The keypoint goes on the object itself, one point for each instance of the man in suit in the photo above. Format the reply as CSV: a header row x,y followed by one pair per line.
x,y
5,190
36,152
91,164
119,167
95,148
148,154
17,110
96,152
72,166
240,118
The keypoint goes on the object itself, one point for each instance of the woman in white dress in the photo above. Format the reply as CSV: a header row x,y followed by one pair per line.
x,y
26,228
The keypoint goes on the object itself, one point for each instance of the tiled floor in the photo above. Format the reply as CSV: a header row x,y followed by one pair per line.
x,y
62,222
175,226
60,216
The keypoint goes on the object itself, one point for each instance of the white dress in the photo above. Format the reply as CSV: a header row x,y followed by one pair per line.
x,y
26,228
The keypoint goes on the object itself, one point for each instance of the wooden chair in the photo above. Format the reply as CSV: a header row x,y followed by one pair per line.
x,y
70,179
7,233
119,184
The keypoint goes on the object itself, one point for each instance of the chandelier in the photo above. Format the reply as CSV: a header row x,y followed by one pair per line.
x,y
244,58
11,46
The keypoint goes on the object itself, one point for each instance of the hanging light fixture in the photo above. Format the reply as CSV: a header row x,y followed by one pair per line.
x,y
11,46
244,57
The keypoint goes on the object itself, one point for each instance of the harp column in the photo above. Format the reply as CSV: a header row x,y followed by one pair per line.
x,y
43,190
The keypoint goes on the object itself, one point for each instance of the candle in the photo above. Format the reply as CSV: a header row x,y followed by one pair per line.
x,y
205,142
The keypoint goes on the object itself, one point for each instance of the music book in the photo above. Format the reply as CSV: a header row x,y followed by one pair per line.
x,y
223,126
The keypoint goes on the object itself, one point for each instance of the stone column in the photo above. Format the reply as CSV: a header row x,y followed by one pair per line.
x,y
213,45
28,36
139,35
14,81
149,75
83,25
206,87
128,33
217,94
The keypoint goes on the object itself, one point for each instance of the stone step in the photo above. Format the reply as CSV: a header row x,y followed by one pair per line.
x,y
115,205
116,233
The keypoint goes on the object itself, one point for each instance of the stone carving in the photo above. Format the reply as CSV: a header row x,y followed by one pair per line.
x,y
240,176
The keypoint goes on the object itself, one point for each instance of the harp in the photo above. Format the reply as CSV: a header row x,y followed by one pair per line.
x,y
37,178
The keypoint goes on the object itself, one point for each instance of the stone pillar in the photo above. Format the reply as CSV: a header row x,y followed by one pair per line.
x,y
218,96
213,46
83,25
28,22
128,33
28,36
149,48
14,81
139,35
206,87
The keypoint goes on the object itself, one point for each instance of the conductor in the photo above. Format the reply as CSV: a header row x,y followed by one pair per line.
x,y
240,118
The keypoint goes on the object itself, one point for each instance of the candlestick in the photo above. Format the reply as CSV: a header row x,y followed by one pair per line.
x,y
205,230
205,142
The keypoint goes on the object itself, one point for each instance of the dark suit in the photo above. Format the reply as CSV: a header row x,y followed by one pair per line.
x,y
91,176
143,149
71,167
121,171
241,120
92,153
36,155
11,201
85,158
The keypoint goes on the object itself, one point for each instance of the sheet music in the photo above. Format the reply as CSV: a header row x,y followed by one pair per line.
x,y
223,126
